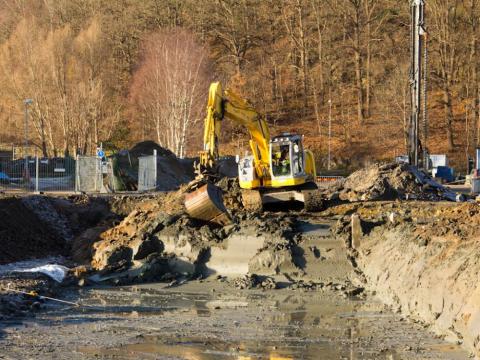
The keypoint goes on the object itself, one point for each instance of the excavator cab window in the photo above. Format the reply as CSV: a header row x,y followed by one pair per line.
x,y
297,158
281,159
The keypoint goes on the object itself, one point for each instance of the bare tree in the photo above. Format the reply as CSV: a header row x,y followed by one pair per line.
x,y
169,87
445,30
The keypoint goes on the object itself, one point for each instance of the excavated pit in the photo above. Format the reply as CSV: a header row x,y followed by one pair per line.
x,y
418,257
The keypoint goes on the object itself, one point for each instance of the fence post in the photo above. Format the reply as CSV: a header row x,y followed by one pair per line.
x,y
155,169
37,167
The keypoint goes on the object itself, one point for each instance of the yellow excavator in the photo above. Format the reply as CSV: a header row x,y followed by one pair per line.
x,y
279,169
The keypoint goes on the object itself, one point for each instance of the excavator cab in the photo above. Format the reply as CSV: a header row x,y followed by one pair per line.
x,y
287,161
287,157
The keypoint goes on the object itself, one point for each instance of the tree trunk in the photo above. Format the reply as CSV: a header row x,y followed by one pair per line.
x,y
316,107
358,68
447,101
367,72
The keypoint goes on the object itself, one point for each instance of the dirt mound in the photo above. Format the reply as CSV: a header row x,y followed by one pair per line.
x,y
389,182
24,235
227,166
146,148
165,233
172,173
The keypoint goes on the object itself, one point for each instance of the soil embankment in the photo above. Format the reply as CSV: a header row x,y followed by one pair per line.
x,y
423,259
24,234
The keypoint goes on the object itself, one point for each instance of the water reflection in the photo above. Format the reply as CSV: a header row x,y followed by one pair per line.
x,y
274,325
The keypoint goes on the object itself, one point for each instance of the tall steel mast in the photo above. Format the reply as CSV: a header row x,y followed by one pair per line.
x,y
417,154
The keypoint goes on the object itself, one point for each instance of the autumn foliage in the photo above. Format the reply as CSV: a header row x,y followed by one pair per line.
x,y
119,71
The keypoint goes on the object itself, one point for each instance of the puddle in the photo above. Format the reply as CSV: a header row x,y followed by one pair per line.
x,y
198,349
311,228
255,325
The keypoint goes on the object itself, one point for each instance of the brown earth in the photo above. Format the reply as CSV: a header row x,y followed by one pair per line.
x,y
419,256
423,260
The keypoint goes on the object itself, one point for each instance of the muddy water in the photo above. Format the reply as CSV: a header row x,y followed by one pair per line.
x,y
213,321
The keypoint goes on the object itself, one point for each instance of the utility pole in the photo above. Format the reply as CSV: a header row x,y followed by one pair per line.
x,y
417,152
329,133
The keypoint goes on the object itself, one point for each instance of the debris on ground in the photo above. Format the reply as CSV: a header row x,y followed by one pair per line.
x,y
254,281
19,293
389,182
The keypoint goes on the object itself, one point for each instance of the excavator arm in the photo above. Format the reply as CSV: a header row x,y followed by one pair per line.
x,y
227,105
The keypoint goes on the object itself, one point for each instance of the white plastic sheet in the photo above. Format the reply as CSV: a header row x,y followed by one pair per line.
x,y
56,272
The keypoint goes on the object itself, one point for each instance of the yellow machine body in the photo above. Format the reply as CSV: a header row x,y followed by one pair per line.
x,y
275,163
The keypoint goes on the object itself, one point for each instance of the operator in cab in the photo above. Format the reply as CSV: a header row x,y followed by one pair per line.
x,y
282,161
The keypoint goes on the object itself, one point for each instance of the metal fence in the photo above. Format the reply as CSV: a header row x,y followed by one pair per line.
x,y
37,174
34,174
147,172
86,174
89,174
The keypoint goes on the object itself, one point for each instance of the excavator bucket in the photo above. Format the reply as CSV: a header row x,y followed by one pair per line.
x,y
206,203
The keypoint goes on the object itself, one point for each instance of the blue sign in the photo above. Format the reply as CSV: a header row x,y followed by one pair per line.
x,y
100,153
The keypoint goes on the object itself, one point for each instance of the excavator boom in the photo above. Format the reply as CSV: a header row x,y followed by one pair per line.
x,y
227,105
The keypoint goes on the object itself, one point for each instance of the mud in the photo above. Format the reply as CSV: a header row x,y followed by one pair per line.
x,y
422,259
208,320
218,289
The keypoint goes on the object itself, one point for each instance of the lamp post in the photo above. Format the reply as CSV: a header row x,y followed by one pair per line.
x,y
26,102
